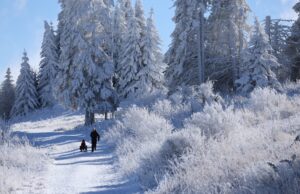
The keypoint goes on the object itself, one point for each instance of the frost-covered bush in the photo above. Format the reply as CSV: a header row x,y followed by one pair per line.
x,y
246,147
19,160
269,104
196,96
292,88
235,159
214,120
186,101
139,135
232,159
174,112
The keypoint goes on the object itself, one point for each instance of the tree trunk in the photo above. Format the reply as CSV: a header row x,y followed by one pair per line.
x,y
89,118
201,65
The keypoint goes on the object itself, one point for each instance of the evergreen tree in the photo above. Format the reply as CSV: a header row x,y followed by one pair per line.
x,y
126,7
140,18
131,59
7,96
151,75
258,63
278,31
226,38
84,78
182,56
293,46
48,66
119,31
26,92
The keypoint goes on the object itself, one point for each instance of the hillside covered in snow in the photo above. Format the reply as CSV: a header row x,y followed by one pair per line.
x,y
161,145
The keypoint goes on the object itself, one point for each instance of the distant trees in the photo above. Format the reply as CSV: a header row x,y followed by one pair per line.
x,y
26,99
258,62
7,96
48,66
278,31
103,51
140,70
181,58
293,46
151,74
207,46
226,39
84,78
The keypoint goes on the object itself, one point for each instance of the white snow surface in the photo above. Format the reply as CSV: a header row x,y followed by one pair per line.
x,y
59,133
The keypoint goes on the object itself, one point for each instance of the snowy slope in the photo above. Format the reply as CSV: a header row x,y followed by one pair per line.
x,y
69,170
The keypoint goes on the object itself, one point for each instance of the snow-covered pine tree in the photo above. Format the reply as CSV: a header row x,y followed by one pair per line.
x,y
84,79
151,76
131,59
26,99
48,66
258,62
278,31
226,38
293,46
119,31
126,7
182,56
7,96
139,14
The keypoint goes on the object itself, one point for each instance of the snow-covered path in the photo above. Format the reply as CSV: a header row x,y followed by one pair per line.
x,y
71,171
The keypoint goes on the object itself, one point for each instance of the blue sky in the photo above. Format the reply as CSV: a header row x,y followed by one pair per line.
x,y
21,25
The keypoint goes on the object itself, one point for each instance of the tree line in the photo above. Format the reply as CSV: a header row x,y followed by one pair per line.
x,y
104,51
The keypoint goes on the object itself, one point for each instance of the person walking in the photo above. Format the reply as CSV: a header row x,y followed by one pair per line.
x,y
95,137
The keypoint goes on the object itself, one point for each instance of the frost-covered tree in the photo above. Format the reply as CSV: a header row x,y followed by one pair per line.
x,y
139,15
278,31
258,63
7,96
226,38
131,59
26,99
151,76
48,66
182,56
126,7
119,31
84,79
293,46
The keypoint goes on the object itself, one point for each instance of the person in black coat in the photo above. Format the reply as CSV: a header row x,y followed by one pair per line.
x,y
83,146
95,137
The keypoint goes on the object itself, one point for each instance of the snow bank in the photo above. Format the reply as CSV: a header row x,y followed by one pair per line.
x,y
19,160
220,149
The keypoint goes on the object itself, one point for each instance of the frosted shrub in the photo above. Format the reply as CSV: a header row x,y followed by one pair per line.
x,y
292,88
156,166
213,120
138,135
196,96
270,104
220,166
245,148
20,161
172,111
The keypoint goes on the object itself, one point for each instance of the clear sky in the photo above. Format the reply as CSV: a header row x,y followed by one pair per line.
x,y
21,25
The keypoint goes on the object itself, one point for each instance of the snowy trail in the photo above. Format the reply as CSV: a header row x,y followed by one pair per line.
x,y
70,170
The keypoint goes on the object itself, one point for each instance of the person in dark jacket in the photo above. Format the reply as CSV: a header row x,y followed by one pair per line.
x,y
95,137
83,146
